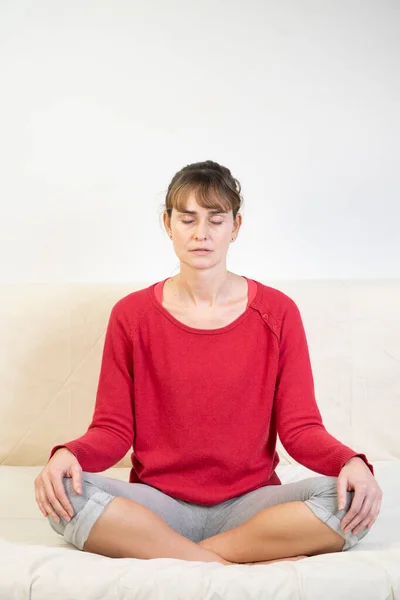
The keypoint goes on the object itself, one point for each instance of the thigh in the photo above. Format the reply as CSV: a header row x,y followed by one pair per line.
x,y
234,512
187,520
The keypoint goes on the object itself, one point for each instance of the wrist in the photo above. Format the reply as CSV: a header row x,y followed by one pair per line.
x,y
354,458
64,450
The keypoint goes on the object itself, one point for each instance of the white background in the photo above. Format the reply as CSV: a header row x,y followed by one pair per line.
x,y
102,102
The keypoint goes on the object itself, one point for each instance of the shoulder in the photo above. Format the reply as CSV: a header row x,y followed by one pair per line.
x,y
277,302
279,310
131,307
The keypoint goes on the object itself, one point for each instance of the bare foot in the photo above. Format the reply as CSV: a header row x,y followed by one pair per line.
x,y
267,562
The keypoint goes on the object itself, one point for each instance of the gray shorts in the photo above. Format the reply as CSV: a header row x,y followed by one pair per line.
x,y
196,521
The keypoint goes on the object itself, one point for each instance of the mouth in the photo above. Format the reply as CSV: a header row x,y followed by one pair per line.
x,y
201,251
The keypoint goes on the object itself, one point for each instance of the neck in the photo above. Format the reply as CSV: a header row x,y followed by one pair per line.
x,y
203,288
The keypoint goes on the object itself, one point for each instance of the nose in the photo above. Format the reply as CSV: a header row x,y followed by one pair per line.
x,y
201,231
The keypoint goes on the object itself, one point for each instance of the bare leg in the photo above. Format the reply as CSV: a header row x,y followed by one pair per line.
x,y
267,562
282,531
126,529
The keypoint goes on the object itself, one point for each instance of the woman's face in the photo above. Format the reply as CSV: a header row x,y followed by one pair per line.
x,y
202,228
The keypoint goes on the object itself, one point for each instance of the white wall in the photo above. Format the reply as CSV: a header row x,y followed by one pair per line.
x,y
102,102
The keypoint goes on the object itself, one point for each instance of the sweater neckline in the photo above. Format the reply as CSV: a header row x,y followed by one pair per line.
x,y
200,331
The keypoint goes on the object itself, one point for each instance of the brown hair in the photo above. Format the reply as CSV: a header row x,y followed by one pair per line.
x,y
213,185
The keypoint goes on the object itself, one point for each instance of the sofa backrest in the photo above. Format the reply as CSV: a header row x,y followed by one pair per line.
x,y
52,337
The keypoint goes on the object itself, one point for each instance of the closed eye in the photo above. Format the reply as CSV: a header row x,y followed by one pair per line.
x,y
213,222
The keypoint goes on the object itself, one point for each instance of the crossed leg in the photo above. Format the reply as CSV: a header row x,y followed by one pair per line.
x,y
266,525
285,531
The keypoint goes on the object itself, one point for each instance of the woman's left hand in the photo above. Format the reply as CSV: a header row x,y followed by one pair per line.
x,y
366,504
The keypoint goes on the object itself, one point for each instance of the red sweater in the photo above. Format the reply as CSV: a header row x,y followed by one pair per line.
x,y
202,407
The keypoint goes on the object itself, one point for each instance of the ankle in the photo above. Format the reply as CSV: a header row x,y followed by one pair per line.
x,y
213,556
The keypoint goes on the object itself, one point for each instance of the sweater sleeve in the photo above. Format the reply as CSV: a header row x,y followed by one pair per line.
x,y
299,422
111,432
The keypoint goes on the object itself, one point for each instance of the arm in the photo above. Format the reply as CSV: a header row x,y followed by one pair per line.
x,y
111,433
299,421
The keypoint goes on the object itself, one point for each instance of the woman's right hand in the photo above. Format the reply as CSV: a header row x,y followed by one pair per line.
x,y
49,489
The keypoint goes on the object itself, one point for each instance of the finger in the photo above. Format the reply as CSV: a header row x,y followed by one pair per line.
x,y
373,514
76,474
56,501
77,483
41,508
355,507
372,523
38,502
52,503
45,501
42,501
377,511
367,519
341,493
365,512
65,504
49,510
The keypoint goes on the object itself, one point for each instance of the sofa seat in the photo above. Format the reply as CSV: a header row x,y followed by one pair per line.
x,y
38,564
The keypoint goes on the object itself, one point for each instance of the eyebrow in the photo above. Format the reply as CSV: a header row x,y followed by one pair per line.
x,y
194,212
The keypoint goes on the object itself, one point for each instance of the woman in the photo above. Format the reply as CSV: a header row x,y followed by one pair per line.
x,y
199,373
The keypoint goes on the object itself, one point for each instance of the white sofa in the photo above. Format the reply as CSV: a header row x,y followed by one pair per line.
x,y
51,340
